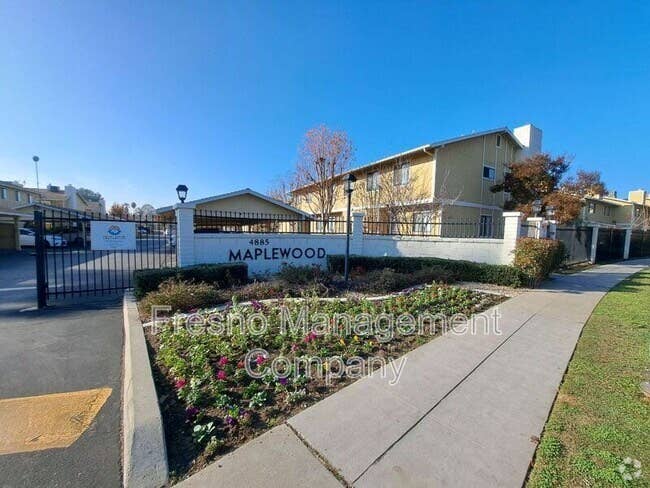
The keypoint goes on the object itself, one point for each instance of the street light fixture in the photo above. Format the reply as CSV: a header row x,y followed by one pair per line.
x,y
537,207
348,185
181,191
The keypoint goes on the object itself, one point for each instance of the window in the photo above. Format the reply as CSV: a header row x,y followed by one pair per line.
x,y
401,174
422,223
3,193
18,196
592,208
485,227
498,140
489,173
30,198
607,211
372,181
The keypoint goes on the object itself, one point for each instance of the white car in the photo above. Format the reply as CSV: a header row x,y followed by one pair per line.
x,y
28,239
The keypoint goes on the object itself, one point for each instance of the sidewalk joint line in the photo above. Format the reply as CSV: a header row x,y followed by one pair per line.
x,y
462,380
320,457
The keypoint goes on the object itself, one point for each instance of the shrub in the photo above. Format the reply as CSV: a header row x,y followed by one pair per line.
x,y
261,290
302,275
461,270
181,296
538,258
388,280
220,275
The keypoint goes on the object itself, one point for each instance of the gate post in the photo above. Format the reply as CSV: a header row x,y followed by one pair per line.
x,y
511,228
628,242
594,244
41,283
184,234
356,241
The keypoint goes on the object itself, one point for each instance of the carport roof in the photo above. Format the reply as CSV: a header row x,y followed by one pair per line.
x,y
245,191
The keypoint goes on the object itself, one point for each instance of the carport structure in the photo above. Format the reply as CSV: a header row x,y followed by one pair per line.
x,y
10,224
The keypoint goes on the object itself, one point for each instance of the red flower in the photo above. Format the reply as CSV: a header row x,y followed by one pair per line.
x,y
260,359
241,365
221,375
180,383
223,361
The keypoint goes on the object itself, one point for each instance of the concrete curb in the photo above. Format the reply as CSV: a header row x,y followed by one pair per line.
x,y
144,456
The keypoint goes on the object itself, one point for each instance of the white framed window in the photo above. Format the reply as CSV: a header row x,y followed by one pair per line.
x,y
3,193
372,181
498,140
19,196
485,226
592,208
489,172
401,174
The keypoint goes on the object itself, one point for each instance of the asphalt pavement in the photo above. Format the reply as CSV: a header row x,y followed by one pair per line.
x,y
61,357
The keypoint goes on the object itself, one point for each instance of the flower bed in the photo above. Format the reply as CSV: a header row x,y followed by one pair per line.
x,y
216,384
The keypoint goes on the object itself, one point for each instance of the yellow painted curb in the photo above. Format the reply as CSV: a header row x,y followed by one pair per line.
x,y
48,421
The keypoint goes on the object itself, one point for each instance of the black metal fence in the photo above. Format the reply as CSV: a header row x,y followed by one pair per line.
x,y
640,244
68,263
210,221
611,244
577,241
467,229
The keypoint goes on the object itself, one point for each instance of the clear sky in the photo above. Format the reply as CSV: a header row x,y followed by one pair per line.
x,y
132,98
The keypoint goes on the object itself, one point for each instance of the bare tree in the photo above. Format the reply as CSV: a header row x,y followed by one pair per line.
x,y
281,189
323,155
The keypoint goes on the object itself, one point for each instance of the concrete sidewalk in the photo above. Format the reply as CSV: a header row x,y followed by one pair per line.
x,y
468,409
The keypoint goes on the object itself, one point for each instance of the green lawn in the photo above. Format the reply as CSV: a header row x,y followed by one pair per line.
x,y
600,416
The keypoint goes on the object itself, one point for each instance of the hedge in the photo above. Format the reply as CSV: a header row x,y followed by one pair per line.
x,y
460,270
538,258
221,275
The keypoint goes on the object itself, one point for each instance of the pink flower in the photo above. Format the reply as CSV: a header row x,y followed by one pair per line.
x,y
240,365
223,360
311,337
221,375
180,383
294,347
260,360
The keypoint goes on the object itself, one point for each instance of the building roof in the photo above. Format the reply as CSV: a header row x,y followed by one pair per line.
x,y
16,185
617,202
245,191
431,146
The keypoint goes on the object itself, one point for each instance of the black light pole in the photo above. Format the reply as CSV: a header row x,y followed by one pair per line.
x,y
349,188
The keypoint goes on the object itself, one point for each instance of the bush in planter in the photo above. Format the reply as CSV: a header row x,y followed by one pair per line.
x,y
219,275
538,258
461,270
388,280
302,275
181,296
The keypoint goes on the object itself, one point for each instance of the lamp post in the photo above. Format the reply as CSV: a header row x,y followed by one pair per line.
x,y
550,212
537,207
181,191
36,159
349,188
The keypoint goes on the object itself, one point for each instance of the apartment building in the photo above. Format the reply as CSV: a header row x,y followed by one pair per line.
x,y
609,210
442,181
13,196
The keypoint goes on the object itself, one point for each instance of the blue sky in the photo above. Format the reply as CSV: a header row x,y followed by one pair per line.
x,y
132,98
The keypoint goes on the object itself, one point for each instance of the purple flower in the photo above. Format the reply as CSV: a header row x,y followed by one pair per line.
x,y
257,306
230,420
283,381
191,412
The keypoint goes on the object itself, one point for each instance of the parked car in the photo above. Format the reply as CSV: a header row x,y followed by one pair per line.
x,y
54,240
27,238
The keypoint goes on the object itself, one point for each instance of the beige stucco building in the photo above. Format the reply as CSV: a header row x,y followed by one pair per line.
x,y
608,210
448,180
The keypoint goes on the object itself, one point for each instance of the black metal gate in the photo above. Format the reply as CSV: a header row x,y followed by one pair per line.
x,y
640,244
611,244
69,263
